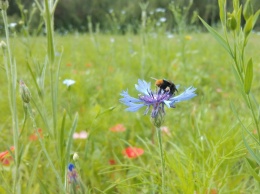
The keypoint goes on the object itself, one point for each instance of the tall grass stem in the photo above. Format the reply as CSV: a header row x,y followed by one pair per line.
x,y
143,36
11,78
159,136
43,146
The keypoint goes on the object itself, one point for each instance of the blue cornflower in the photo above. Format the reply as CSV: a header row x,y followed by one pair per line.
x,y
71,167
72,173
155,99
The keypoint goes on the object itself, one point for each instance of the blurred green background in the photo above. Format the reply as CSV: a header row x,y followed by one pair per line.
x,y
117,16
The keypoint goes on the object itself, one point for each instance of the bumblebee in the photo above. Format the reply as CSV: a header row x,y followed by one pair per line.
x,y
166,86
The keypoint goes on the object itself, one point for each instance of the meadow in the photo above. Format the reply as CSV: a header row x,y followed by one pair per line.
x,y
83,123
203,147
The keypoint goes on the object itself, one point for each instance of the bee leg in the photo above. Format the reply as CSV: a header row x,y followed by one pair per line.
x,y
160,91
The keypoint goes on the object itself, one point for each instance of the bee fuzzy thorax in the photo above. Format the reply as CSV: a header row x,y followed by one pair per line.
x,y
159,82
166,86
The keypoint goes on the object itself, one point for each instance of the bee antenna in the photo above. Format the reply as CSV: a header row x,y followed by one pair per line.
x,y
154,78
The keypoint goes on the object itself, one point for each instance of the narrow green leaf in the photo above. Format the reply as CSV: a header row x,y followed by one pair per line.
x,y
248,9
42,113
236,5
248,76
43,187
249,26
105,111
222,12
255,156
61,146
252,163
255,17
61,133
33,172
252,136
34,78
69,141
49,27
217,36
61,136
252,171
241,85
238,19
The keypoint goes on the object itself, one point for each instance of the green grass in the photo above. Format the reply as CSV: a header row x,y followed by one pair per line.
x,y
204,150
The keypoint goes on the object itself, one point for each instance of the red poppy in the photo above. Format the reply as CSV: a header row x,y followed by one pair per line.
x,y
5,157
133,152
117,128
212,191
88,65
34,136
112,162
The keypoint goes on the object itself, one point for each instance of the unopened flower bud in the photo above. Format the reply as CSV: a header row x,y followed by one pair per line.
x,y
158,119
231,22
3,45
4,4
248,9
25,92
75,156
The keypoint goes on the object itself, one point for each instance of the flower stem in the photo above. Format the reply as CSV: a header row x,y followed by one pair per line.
x,y
29,108
11,79
159,136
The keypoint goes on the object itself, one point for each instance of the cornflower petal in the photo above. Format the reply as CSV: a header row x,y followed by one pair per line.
x,y
133,107
186,95
167,103
131,102
127,98
143,87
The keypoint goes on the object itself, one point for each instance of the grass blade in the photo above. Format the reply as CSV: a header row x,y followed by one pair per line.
x,y
248,76
252,171
217,36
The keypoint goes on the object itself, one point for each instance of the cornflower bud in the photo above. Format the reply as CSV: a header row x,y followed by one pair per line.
x,y
158,120
25,92
4,4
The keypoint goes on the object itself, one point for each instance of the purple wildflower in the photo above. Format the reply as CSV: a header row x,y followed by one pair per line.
x,y
155,99
72,174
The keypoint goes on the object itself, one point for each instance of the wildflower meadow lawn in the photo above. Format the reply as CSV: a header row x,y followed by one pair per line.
x,y
114,151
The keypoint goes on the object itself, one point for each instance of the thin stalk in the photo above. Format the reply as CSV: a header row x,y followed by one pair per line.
x,y
43,147
49,26
47,10
11,77
159,136
254,116
50,42
143,36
